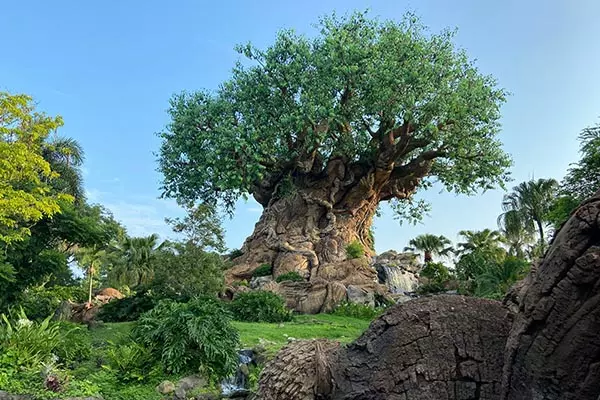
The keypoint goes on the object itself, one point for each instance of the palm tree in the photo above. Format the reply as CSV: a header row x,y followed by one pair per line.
x,y
532,200
516,234
136,256
90,259
66,156
430,245
486,241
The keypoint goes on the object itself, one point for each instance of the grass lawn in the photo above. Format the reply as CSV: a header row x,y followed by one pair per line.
x,y
272,336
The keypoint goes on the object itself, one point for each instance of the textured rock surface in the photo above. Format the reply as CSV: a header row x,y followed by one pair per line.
x,y
554,347
398,271
442,347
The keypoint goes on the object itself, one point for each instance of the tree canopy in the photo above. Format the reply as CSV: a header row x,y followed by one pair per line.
x,y
382,96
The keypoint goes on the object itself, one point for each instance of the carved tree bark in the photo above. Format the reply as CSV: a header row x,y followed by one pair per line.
x,y
544,344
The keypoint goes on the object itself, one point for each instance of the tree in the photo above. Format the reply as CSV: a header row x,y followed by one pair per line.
x,y
516,233
90,258
66,156
136,256
430,245
477,252
320,131
487,241
583,178
530,203
25,196
201,226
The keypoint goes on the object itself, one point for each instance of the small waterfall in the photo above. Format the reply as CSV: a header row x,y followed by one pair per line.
x,y
237,385
398,280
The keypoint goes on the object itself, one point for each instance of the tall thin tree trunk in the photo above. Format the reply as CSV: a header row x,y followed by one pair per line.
x,y
541,231
90,273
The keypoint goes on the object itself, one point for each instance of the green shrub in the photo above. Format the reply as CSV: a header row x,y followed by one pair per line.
x,y
360,311
263,270
235,253
75,345
240,283
130,362
355,250
437,275
128,308
260,306
40,302
188,336
290,276
25,343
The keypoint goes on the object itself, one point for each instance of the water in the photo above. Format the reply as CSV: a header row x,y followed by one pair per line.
x,y
237,385
399,281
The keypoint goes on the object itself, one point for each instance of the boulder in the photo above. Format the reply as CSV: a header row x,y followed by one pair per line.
x,y
349,272
398,271
192,382
258,282
107,294
311,297
359,295
165,387
290,262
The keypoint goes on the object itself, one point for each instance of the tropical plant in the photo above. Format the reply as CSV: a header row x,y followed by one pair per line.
x,y
260,306
263,270
583,178
430,245
136,255
531,202
185,337
90,258
185,270
355,250
66,156
130,362
321,130
39,302
495,281
201,226
516,233
355,310
486,241
25,196
128,308
292,276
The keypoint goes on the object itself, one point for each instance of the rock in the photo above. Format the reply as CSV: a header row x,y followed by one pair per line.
x,y
349,272
192,382
207,396
553,351
360,295
258,282
107,294
240,272
165,387
312,297
7,396
398,271
440,347
244,370
180,394
290,262
336,294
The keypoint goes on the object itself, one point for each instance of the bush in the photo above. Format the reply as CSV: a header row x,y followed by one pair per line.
x,y
235,253
75,343
185,337
128,308
130,362
360,311
437,275
25,343
355,250
290,276
40,302
263,270
185,271
260,306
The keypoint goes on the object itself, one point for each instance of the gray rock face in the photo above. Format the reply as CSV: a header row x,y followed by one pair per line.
x,y
398,271
257,283
165,387
360,295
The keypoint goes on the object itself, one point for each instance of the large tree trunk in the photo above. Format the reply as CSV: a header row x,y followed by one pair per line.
x,y
309,220
542,344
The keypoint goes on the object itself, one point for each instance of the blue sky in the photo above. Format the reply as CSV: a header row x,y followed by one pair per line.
x,y
110,67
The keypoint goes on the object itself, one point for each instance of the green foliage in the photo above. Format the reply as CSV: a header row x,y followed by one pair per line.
x,y
130,362
263,270
75,345
25,343
365,89
292,276
260,306
360,311
185,270
25,193
40,302
136,255
201,226
497,278
185,337
355,250
583,179
127,308
437,276
430,245
561,210
235,253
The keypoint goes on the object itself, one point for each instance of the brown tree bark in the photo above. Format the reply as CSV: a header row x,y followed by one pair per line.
x,y
310,218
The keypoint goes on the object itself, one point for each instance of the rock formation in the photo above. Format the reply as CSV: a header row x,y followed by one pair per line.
x,y
543,343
